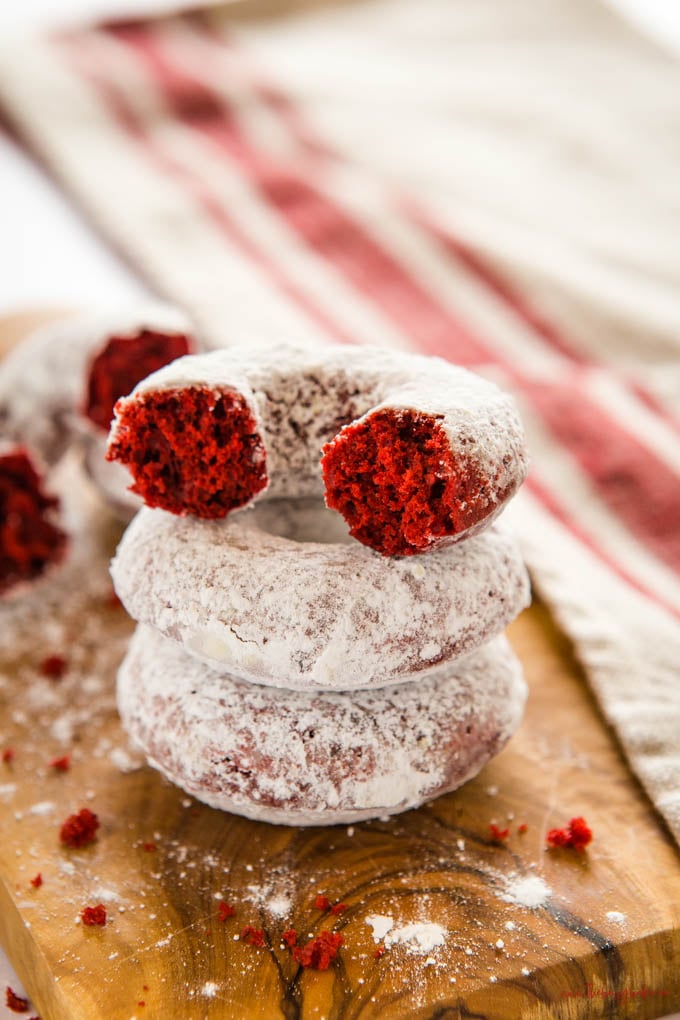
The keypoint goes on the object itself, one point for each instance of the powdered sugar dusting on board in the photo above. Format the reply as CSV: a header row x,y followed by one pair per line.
x,y
380,924
271,898
526,891
419,938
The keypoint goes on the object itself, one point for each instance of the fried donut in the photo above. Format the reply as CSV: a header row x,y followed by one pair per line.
x,y
297,758
414,452
61,383
280,595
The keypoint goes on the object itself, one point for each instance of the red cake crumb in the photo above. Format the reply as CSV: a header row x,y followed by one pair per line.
x,y
15,1002
53,667
8,755
191,451
522,828
394,479
62,764
380,951
224,910
149,847
575,836
123,362
498,834
79,830
37,880
252,936
29,538
94,916
290,937
338,908
319,952
322,903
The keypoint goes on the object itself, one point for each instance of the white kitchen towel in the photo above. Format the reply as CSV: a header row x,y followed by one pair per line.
x,y
496,182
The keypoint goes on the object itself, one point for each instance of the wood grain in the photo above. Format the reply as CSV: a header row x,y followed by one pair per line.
x,y
164,944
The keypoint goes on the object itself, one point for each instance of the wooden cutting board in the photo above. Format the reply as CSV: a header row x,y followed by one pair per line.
x,y
604,939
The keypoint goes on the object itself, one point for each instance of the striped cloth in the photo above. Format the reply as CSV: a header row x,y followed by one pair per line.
x,y
495,182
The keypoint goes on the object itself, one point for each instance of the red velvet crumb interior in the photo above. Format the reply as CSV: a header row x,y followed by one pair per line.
x,y
122,363
30,539
395,481
190,451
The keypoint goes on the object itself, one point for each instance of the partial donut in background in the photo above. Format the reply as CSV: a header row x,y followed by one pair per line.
x,y
59,385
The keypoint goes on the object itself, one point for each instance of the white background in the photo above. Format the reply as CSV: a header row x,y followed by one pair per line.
x,y
49,256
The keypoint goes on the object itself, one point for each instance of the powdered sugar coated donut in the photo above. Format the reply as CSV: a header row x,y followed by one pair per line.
x,y
316,759
62,381
280,595
417,452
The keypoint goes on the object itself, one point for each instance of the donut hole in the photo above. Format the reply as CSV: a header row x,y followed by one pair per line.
x,y
30,540
394,479
123,362
190,451
300,520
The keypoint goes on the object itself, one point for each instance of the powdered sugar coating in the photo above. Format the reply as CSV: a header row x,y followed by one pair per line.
x,y
302,396
276,596
324,758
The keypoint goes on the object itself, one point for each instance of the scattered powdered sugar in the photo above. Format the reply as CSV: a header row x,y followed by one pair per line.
x,y
62,728
616,917
105,895
43,807
418,937
272,900
279,906
210,989
124,761
380,924
526,891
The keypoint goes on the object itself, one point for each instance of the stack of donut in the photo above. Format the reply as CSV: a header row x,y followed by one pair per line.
x,y
304,662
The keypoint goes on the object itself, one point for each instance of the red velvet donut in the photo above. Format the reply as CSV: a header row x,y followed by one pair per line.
x,y
280,595
298,758
60,384
415,452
